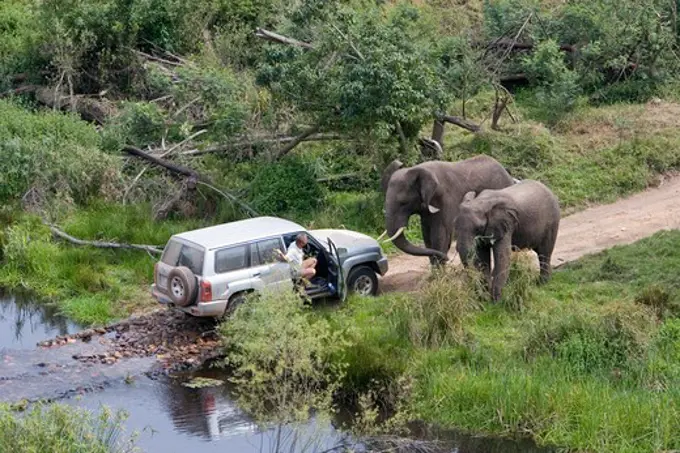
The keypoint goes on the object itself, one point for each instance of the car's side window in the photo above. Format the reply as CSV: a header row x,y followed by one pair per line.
x,y
267,250
231,259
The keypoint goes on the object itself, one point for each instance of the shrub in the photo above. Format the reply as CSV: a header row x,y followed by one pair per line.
x,y
286,187
556,87
522,152
660,300
62,429
55,153
280,354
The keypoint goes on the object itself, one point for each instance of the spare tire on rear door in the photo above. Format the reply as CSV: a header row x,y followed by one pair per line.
x,y
182,286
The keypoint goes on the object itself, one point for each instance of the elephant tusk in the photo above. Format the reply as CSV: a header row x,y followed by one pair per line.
x,y
384,233
432,209
396,235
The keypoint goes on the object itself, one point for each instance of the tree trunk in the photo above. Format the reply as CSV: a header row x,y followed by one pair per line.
x,y
438,131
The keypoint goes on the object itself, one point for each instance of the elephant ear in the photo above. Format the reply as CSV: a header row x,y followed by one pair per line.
x,y
501,220
388,172
427,183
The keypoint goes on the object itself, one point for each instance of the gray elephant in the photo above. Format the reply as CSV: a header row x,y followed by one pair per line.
x,y
434,190
525,215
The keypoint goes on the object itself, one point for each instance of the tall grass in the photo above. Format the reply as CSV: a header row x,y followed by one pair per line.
x,y
62,429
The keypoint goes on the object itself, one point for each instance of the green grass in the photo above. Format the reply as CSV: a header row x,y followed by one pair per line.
x,y
90,285
62,429
590,361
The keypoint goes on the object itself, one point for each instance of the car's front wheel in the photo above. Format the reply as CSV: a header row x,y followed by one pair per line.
x,y
363,281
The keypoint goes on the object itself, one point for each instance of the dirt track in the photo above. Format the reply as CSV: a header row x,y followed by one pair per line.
x,y
589,231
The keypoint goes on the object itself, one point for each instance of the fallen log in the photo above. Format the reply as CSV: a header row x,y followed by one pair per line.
x,y
296,141
275,37
460,122
262,141
102,244
89,109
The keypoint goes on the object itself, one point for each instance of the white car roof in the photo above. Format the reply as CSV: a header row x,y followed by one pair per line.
x,y
240,231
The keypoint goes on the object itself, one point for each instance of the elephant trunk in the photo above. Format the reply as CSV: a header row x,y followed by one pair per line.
x,y
465,247
399,239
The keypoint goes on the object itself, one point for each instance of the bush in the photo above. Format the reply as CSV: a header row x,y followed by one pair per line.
x,y
62,429
280,354
556,87
286,187
55,153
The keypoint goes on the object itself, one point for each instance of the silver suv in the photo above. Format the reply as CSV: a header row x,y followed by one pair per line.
x,y
208,272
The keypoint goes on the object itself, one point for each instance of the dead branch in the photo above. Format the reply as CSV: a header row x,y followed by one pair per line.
x,y
526,45
89,109
150,57
20,90
102,244
296,141
179,169
191,173
460,122
261,141
275,37
232,198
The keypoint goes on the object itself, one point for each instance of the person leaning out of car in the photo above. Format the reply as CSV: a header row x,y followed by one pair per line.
x,y
296,256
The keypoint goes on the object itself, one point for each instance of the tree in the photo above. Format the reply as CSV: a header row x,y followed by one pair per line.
x,y
363,71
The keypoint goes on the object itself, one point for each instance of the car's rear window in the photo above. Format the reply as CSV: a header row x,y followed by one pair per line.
x,y
178,254
231,259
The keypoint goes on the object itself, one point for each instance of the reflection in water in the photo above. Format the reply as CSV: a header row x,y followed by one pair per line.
x,y
172,417
24,322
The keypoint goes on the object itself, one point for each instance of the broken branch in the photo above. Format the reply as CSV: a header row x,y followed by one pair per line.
x,y
275,37
261,141
185,171
102,244
296,141
460,122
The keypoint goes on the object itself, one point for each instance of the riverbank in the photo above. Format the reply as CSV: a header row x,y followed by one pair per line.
x,y
588,361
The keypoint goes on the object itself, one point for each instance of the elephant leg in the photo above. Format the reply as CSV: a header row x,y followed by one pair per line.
x,y
432,236
501,267
544,258
544,252
483,262
441,240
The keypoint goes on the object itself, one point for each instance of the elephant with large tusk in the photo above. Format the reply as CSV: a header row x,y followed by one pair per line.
x,y
434,190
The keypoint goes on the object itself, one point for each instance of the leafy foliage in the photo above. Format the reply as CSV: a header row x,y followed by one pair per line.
x,y
288,186
369,69
279,353
57,154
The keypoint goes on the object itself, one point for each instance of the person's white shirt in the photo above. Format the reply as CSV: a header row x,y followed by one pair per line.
x,y
295,254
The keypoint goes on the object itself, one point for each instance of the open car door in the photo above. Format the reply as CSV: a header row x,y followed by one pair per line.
x,y
341,283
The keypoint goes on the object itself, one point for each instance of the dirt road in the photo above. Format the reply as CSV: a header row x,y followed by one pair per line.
x,y
589,231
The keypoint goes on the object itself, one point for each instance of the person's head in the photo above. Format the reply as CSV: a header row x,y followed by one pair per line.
x,y
301,240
